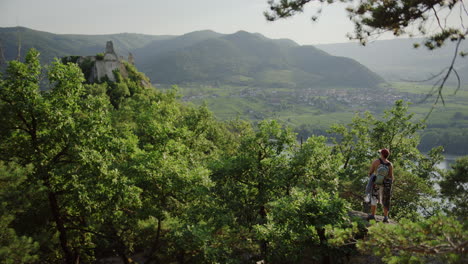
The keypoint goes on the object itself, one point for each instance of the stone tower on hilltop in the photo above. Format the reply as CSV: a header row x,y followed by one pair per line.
x,y
110,47
107,65
131,60
104,66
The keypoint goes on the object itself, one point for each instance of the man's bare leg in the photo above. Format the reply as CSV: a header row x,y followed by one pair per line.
x,y
372,215
385,211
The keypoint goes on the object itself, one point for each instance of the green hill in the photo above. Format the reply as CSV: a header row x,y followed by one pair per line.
x,y
253,77
56,45
206,57
164,45
252,59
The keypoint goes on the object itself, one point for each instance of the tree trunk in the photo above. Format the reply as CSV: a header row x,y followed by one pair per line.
x,y
155,246
323,239
69,256
124,257
181,257
263,243
120,247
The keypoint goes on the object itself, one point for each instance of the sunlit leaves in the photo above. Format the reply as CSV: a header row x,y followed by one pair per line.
x,y
436,238
119,168
297,222
454,186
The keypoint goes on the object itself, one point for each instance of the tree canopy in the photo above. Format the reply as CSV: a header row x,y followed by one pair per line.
x,y
91,172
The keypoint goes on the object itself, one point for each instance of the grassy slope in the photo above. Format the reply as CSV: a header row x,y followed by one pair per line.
x,y
441,115
228,106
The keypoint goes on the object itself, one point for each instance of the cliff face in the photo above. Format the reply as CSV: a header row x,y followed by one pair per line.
x,y
103,66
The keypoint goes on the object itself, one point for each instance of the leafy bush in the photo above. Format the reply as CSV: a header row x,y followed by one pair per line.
x,y
439,237
100,56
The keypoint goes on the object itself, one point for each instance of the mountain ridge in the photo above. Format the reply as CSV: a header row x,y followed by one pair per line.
x,y
398,60
244,58
241,58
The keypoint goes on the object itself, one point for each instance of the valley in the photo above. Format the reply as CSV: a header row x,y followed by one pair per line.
x,y
314,111
249,76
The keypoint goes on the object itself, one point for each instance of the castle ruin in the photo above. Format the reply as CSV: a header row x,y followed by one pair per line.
x,y
104,66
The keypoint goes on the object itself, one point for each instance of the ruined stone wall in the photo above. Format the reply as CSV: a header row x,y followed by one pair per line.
x,y
106,66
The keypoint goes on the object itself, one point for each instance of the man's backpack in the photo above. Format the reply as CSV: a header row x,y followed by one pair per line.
x,y
381,172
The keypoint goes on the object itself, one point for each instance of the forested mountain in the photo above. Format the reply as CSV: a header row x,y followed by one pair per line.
x,y
398,60
395,60
164,45
207,57
230,63
245,58
57,45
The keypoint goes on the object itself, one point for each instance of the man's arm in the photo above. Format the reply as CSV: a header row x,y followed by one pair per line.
x,y
373,167
390,171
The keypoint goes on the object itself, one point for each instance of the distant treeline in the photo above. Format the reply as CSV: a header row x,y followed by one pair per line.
x,y
453,140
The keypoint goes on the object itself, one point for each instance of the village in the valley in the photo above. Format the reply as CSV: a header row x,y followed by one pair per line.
x,y
325,99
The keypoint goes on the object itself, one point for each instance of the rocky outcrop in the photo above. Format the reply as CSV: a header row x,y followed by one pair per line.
x,y
363,216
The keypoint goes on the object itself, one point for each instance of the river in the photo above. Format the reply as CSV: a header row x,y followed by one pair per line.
x,y
449,159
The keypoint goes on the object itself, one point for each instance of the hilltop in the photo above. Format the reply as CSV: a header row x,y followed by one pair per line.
x,y
394,60
207,57
250,59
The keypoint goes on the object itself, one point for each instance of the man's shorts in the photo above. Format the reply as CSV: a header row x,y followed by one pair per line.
x,y
382,193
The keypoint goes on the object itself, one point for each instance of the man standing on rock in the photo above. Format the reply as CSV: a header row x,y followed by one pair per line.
x,y
382,168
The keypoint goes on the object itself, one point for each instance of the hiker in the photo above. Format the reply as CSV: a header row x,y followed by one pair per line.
x,y
381,174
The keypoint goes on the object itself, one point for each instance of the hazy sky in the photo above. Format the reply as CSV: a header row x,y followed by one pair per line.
x,y
174,17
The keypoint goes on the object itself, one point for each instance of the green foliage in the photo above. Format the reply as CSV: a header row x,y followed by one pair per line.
x,y
117,93
286,192
315,166
439,238
13,247
121,88
296,223
64,134
247,59
453,186
100,56
451,138
358,143
71,59
134,75
91,171
172,144
86,66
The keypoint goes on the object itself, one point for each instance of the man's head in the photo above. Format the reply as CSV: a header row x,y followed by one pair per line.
x,y
385,153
